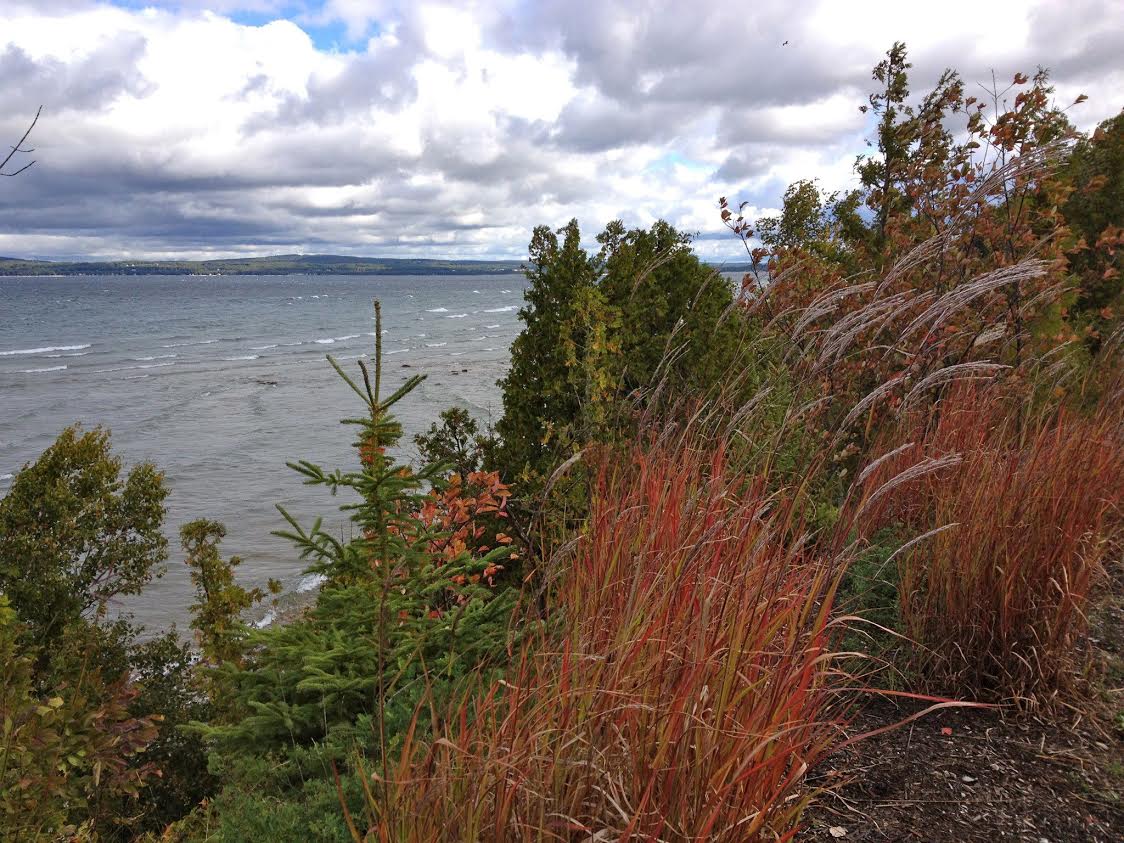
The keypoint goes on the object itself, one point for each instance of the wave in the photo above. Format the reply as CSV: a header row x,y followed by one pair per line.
x,y
325,341
183,344
346,337
487,327
507,309
396,351
263,347
133,368
243,357
438,310
44,349
71,354
456,316
4,477
45,369
436,344
154,357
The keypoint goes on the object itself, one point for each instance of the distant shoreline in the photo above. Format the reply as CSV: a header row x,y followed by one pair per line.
x,y
273,265
279,265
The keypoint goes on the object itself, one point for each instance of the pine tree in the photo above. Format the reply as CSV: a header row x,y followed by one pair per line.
x,y
399,614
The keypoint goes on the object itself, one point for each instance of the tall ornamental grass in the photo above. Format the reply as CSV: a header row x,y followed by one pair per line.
x,y
680,690
1019,520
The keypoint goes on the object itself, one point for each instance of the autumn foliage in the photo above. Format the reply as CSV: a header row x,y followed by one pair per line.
x,y
681,689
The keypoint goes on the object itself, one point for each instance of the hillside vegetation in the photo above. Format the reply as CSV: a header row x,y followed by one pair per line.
x,y
718,532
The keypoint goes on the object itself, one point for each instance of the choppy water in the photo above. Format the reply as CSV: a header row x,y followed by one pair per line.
x,y
220,380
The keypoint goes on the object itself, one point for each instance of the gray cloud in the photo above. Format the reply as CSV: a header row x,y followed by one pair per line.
x,y
667,106
87,84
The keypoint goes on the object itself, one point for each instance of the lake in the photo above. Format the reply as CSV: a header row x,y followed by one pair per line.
x,y
220,380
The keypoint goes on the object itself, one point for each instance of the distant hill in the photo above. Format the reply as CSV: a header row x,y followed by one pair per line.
x,y
278,265
275,265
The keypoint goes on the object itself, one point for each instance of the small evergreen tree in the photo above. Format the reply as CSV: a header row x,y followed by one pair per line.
x,y
406,609
456,442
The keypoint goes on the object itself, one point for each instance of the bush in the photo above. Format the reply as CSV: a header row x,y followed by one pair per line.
x,y
73,534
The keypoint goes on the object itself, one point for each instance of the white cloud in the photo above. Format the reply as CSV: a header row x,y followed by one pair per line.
x,y
453,129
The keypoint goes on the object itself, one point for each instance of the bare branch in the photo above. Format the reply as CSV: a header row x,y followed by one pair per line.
x,y
19,148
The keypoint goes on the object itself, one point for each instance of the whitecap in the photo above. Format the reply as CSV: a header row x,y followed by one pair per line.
x,y
182,344
438,310
43,350
396,351
264,347
486,327
243,357
132,368
436,344
71,354
346,337
4,477
154,357
455,353
457,316
325,341
45,369
310,582
507,309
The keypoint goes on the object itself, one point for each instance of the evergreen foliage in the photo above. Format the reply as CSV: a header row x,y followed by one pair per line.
x,y
644,314
456,442
406,609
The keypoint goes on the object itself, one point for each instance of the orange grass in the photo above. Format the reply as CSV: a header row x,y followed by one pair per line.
x,y
996,601
683,693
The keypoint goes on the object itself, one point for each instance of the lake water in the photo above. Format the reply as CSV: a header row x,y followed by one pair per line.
x,y
221,380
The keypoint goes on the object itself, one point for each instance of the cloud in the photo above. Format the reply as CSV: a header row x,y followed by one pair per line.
x,y
205,127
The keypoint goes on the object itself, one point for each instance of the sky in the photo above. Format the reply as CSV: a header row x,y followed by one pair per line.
x,y
215,128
